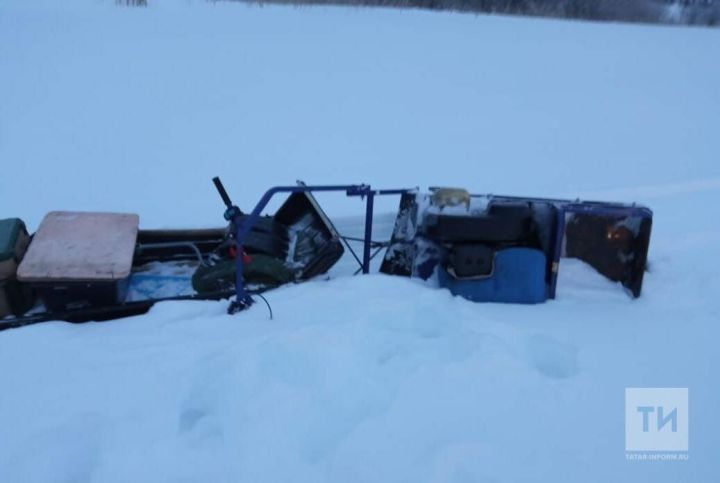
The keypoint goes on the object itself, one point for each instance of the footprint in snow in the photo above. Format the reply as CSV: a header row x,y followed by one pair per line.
x,y
551,357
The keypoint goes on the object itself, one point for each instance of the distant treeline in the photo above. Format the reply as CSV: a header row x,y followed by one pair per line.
x,y
687,12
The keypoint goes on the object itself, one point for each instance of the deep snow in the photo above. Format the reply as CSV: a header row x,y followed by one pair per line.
x,y
359,378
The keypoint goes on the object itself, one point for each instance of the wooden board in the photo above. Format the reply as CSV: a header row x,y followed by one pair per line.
x,y
81,246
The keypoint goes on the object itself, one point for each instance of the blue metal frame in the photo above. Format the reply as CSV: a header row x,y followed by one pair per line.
x,y
242,297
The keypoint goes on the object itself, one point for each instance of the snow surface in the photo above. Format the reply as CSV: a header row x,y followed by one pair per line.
x,y
369,378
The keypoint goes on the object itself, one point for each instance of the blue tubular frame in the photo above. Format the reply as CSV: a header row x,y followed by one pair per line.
x,y
242,297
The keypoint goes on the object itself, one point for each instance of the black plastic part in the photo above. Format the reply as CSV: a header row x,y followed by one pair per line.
x,y
232,213
266,224
519,210
471,260
221,190
613,249
59,296
265,243
544,222
240,305
503,222
109,312
328,248
20,296
400,255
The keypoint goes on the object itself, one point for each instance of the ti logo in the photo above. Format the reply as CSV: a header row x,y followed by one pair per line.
x,y
661,420
656,419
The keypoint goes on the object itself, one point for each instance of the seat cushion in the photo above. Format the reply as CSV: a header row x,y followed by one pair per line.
x,y
81,246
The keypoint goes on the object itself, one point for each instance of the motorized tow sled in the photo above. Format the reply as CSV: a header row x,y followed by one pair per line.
x,y
82,266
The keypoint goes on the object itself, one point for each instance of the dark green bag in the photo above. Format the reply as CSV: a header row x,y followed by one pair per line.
x,y
261,270
15,298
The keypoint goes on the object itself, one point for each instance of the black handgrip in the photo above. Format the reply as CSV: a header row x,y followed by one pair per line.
x,y
232,211
223,194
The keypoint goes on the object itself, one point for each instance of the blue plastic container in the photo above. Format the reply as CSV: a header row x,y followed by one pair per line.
x,y
518,277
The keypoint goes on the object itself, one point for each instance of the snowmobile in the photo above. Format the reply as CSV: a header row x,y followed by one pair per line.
x,y
491,248
81,266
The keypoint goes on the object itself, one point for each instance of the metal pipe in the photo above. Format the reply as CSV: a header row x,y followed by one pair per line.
x,y
368,231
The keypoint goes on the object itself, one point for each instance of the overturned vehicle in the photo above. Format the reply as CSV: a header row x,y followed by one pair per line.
x,y
83,266
490,248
